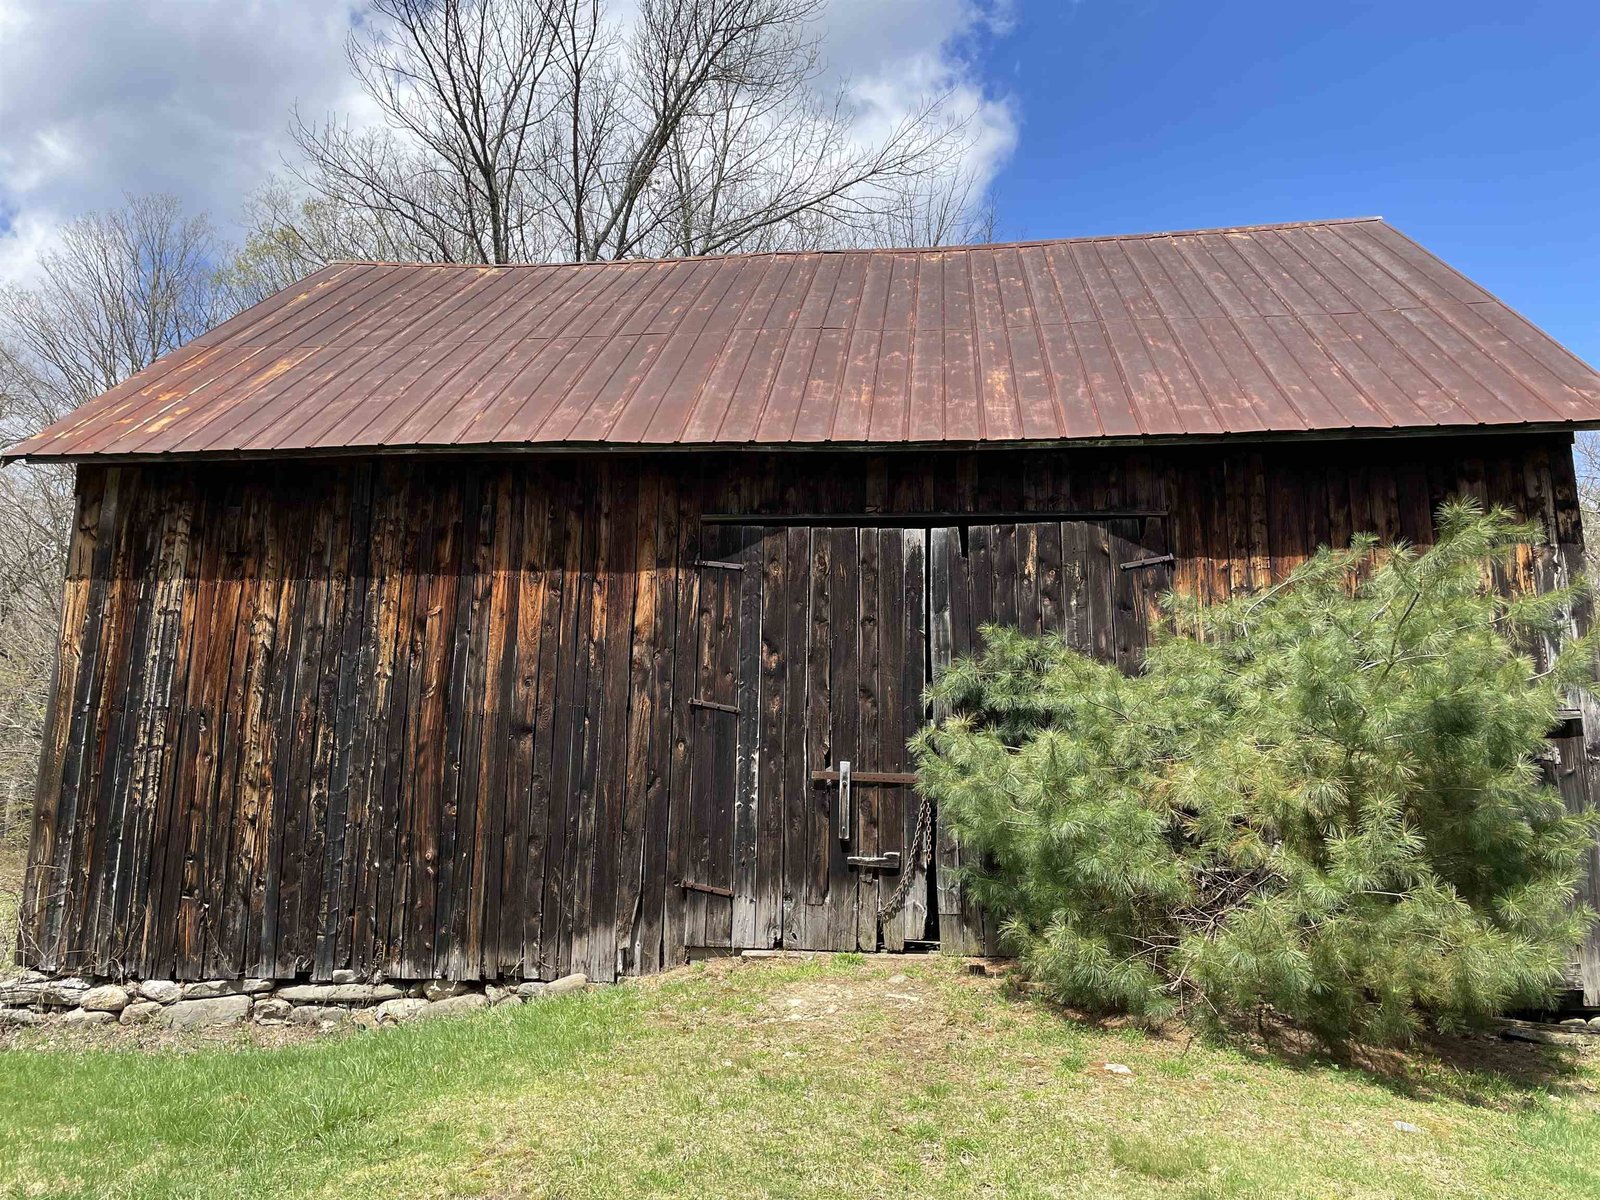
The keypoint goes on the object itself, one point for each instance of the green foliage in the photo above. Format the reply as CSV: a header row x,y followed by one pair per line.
x,y
1324,800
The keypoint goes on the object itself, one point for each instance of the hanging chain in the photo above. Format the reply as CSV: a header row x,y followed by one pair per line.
x,y
919,853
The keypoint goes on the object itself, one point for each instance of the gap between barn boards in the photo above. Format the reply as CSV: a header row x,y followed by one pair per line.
x,y
876,520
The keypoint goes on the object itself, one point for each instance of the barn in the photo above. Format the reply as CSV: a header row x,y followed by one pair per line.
x,y
492,623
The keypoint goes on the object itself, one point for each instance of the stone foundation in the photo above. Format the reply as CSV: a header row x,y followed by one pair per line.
x,y
36,999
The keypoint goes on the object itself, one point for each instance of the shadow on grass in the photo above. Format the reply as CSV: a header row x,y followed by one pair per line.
x,y
1482,1069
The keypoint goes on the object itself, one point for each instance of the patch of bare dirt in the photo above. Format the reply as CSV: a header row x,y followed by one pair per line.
x,y
54,1036
156,1040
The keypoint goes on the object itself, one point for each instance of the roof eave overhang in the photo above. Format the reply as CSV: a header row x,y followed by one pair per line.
x,y
516,449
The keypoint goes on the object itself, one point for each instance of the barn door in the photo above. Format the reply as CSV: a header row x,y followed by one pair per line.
x,y
1093,582
857,633
810,653
719,808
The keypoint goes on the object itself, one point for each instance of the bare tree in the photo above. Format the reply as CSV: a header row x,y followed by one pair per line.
x,y
532,129
1586,460
950,210
121,289
291,235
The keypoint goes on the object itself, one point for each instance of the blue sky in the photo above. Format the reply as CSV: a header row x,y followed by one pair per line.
x,y
1474,127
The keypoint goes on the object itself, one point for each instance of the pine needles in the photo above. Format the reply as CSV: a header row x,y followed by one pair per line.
x,y
1324,799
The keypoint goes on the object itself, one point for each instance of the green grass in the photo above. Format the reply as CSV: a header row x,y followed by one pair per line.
x,y
789,1079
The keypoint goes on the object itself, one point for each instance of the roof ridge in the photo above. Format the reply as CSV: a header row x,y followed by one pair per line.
x,y
1055,241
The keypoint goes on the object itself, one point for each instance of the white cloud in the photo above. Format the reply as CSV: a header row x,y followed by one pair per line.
x,y
892,53
104,97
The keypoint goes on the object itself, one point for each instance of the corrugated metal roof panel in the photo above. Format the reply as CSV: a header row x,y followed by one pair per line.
x,y
1325,326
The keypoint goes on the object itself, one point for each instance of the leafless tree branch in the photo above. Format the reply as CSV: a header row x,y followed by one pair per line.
x,y
518,130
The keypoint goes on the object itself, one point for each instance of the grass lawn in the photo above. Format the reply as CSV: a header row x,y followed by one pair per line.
x,y
789,1078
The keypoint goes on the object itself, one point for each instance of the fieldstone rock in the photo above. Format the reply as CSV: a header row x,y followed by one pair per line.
x,y
20,993
210,989
400,1010
344,977
162,991
272,1009
416,991
499,995
340,993
108,998
443,989
62,993
363,1018
1576,1022
567,983
1594,1022
11,1018
318,1014
199,1014
455,1006
531,990
84,1016
256,987
140,1012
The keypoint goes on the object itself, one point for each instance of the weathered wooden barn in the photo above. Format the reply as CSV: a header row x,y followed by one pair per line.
x,y
498,622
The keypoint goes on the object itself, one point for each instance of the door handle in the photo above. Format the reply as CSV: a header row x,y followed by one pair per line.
x,y
844,800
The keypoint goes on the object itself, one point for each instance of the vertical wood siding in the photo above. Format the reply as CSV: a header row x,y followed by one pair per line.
x,y
430,717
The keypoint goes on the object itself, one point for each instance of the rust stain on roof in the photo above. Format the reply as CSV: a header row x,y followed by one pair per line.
x,y
1321,326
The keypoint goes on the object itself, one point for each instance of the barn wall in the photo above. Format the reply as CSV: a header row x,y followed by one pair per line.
x,y
427,717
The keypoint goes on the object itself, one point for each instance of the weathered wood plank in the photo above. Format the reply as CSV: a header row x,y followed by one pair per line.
x,y
800,798
638,884
369,811
556,914
609,737
685,677
887,671
913,922
563,535
844,670
157,726
464,820
819,743
747,798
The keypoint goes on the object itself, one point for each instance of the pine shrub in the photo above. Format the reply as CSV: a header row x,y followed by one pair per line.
x,y
1323,801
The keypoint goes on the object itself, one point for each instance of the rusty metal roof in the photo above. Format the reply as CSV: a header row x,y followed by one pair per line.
x,y
1322,326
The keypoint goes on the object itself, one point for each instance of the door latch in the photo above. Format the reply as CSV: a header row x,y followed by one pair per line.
x,y
844,800
881,862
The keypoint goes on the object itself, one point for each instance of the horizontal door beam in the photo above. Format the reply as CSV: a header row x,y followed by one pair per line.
x,y
900,777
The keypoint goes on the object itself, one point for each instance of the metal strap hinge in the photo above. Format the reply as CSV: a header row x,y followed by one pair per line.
x,y
709,889
696,702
